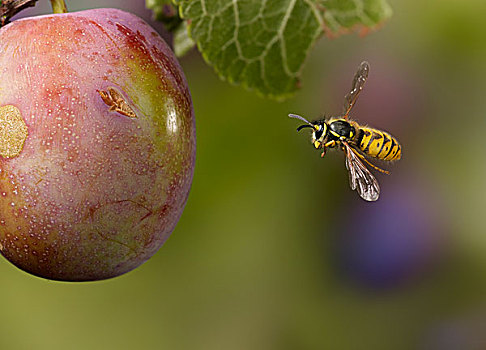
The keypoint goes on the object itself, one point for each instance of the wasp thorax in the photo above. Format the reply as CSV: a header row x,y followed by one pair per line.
x,y
341,128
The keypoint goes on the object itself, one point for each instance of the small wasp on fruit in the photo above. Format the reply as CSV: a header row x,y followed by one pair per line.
x,y
355,140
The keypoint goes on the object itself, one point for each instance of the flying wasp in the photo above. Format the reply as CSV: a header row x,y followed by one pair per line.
x,y
357,141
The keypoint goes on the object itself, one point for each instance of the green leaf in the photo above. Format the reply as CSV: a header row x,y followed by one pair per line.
x,y
182,41
157,7
354,15
263,44
165,12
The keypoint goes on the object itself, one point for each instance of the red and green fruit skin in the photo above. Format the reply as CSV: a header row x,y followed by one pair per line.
x,y
93,192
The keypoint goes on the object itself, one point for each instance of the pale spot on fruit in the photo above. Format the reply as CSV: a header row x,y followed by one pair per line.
x,y
172,120
13,131
116,102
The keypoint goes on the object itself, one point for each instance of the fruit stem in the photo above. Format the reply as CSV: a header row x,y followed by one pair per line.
x,y
59,6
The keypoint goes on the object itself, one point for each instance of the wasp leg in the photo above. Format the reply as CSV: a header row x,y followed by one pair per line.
x,y
372,165
326,145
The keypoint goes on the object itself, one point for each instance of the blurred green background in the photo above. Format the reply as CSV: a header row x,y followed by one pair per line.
x,y
274,251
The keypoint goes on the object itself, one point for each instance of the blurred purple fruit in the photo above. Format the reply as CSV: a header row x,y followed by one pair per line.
x,y
388,243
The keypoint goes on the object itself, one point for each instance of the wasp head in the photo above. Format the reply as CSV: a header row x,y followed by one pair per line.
x,y
319,132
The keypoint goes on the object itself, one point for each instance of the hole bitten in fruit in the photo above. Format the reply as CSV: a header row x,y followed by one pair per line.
x,y
114,99
13,131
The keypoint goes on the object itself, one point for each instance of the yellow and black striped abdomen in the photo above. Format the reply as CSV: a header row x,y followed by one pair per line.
x,y
379,144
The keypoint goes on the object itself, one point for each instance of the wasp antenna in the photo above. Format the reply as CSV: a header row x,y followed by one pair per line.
x,y
300,118
304,126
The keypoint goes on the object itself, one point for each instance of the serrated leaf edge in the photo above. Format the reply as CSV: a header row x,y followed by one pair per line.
x,y
319,12
279,36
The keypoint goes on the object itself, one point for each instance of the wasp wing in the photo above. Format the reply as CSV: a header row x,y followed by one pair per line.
x,y
360,178
358,83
